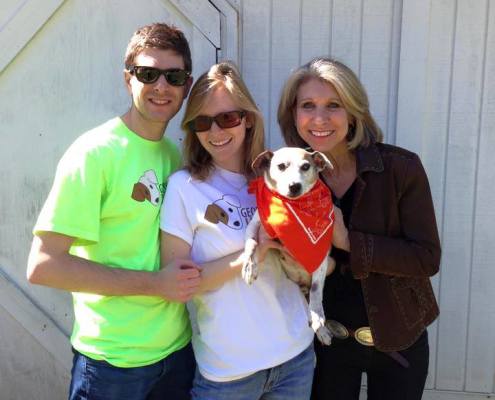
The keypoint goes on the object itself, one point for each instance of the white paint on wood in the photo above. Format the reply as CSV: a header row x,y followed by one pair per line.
x,y
316,25
346,43
41,328
459,206
390,124
256,58
285,57
376,44
20,21
236,4
423,80
412,75
204,16
230,25
28,371
480,363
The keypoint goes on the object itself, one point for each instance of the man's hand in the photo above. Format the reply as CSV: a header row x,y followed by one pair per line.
x,y
179,280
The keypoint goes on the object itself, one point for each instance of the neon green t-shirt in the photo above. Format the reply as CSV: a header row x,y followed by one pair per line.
x,y
107,193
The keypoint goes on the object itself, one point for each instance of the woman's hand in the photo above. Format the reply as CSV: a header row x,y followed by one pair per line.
x,y
340,237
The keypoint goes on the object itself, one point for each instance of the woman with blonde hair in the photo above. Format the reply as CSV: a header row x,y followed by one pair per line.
x,y
379,299
250,342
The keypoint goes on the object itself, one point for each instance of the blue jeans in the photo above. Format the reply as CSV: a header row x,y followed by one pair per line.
x,y
288,381
170,378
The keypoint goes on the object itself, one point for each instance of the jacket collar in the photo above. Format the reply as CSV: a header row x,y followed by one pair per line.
x,y
369,159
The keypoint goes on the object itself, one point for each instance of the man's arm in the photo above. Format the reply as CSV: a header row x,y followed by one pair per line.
x,y
216,272
50,264
213,274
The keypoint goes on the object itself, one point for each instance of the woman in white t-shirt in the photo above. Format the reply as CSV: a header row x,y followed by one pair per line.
x,y
250,341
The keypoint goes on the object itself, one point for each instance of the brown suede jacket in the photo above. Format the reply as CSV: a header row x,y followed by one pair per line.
x,y
395,247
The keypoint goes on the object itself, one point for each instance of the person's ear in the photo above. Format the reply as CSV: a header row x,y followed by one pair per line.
x,y
127,80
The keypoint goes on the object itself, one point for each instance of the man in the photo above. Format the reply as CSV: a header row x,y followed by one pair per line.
x,y
97,236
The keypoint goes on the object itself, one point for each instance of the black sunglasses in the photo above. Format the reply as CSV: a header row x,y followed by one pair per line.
x,y
175,76
224,120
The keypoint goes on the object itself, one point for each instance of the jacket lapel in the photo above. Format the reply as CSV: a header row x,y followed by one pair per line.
x,y
368,159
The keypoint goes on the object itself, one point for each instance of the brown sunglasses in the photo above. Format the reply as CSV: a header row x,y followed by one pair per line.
x,y
224,120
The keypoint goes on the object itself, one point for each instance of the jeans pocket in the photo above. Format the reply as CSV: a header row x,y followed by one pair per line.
x,y
99,380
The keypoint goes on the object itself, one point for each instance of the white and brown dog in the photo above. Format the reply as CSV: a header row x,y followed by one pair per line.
x,y
295,207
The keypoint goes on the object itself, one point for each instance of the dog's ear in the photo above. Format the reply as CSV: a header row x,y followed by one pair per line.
x,y
262,162
321,161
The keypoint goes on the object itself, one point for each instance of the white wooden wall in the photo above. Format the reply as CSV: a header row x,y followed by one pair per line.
x,y
429,69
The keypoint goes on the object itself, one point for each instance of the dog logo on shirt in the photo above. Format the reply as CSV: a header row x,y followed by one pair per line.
x,y
225,210
147,188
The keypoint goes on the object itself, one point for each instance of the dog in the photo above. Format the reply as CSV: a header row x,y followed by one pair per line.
x,y
295,206
225,210
147,188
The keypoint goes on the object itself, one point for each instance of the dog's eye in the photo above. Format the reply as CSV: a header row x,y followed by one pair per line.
x,y
281,167
231,210
305,167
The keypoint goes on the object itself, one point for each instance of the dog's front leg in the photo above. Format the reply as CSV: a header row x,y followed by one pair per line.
x,y
317,315
249,270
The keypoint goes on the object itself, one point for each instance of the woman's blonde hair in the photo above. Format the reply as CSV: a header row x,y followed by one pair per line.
x,y
362,126
197,160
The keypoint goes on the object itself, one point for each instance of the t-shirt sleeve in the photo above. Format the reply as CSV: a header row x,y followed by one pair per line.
x,y
173,215
73,204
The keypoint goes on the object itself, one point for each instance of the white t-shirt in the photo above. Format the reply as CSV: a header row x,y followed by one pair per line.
x,y
238,329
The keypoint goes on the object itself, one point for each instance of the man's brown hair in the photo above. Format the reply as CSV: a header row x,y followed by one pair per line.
x,y
158,36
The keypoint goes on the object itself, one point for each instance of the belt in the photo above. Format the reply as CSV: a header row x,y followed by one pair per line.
x,y
363,336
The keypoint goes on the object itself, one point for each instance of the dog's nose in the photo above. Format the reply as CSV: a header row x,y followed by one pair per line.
x,y
295,189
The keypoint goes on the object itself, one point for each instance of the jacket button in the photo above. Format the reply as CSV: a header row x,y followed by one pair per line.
x,y
373,309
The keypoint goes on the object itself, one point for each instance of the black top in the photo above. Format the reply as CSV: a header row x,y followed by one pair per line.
x,y
343,296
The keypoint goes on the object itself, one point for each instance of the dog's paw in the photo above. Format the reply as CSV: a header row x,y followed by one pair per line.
x,y
249,271
324,335
317,323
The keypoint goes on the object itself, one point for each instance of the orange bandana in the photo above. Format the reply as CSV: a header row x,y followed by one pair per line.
x,y
304,225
